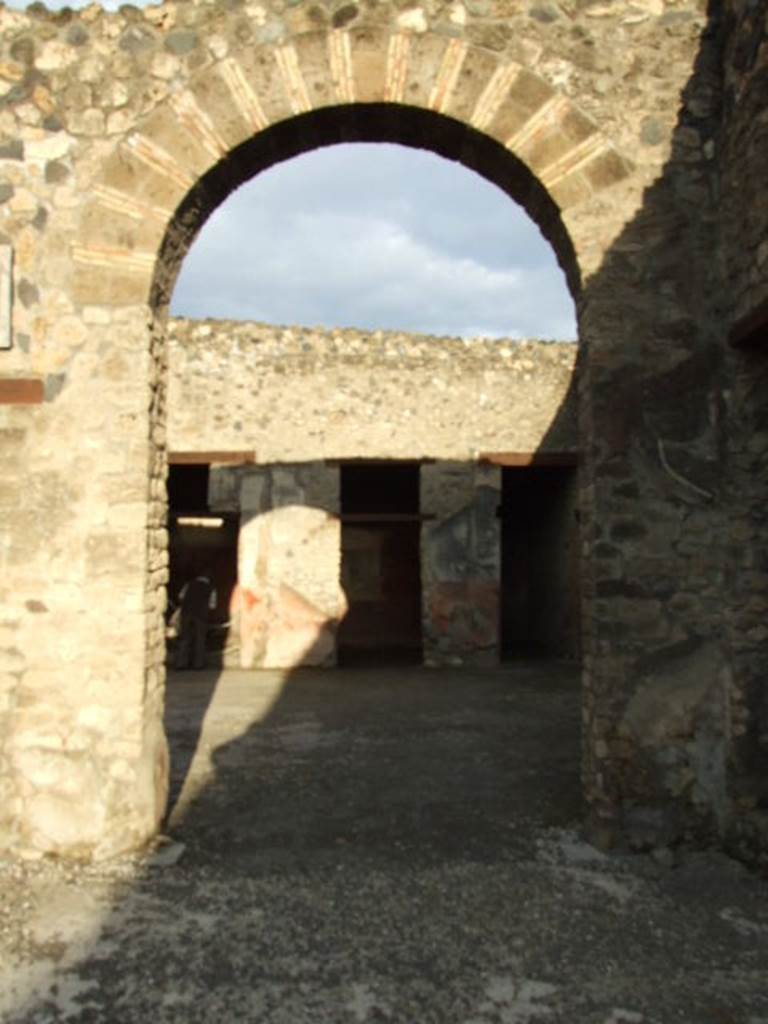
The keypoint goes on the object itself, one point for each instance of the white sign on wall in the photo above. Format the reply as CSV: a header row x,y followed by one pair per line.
x,y
6,267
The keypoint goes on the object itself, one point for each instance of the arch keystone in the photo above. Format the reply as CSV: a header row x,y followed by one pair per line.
x,y
370,64
340,61
398,54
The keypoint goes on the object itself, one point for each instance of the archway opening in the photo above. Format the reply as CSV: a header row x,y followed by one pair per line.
x,y
420,130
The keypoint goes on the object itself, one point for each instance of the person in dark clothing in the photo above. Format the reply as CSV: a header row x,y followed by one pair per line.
x,y
196,599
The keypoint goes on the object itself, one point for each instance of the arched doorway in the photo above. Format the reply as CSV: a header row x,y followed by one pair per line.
x,y
151,192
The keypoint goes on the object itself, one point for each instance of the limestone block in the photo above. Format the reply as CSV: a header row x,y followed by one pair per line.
x,y
669,703
369,61
70,827
312,49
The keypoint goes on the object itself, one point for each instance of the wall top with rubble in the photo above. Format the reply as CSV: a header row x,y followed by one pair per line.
x,y
298,393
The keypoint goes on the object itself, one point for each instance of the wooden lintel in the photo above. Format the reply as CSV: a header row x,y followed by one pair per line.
x,y
751,330
22,391
384,517
523,459
206,458
365,461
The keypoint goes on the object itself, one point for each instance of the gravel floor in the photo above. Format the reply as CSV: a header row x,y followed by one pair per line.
x,y
385,846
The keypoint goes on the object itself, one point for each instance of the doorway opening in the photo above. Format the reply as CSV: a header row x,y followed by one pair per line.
x,y
540,562
380,563
200,543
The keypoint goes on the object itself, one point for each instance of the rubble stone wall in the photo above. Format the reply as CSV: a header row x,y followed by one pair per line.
x,y
296,394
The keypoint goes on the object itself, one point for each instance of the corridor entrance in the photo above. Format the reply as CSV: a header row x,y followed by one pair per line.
x,y
200,542
380,563
540,562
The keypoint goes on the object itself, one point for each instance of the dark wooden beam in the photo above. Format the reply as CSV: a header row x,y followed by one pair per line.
x,y
205,458
363,460
384,517
523,459
22,391
751,330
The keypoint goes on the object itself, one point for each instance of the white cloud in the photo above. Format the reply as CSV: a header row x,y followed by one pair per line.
x,y
376,237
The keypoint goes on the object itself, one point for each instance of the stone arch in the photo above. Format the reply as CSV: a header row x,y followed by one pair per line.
x,y
265,105
254,108
150,184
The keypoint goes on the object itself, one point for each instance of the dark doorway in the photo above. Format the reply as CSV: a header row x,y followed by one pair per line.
x,y
539,562
200,542
380,563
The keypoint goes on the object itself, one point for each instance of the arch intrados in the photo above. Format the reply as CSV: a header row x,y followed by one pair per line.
x,y
360,122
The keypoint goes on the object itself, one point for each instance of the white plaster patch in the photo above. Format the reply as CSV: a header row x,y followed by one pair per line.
x,y
55,55
6,256
413,20
30,984
364,1001
52,147
72,920
742,925
578,861
623,890
565,846
514,1001
458,14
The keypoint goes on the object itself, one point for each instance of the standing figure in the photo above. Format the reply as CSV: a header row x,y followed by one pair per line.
x,y
196,599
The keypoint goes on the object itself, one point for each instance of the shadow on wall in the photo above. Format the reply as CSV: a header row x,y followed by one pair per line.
x,y
662,687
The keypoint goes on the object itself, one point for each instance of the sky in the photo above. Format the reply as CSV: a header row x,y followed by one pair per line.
x,y
374,236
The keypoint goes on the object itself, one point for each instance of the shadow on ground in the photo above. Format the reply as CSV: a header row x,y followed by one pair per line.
x,y
384,846
391,762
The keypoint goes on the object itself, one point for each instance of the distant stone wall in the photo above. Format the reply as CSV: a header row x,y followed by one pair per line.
x,y
294,394
461,563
